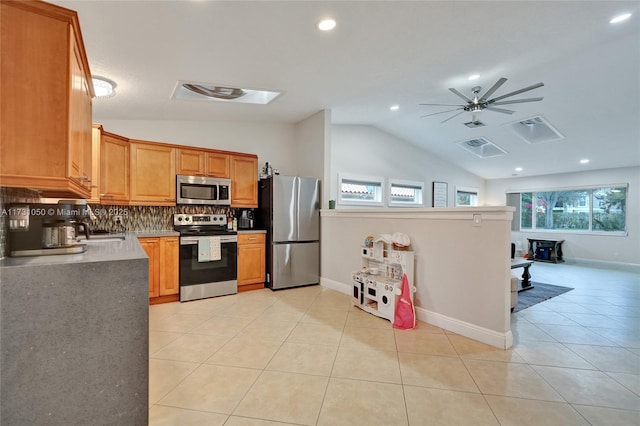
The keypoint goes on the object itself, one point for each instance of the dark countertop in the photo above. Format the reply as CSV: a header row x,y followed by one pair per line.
x,y
97,251
251,231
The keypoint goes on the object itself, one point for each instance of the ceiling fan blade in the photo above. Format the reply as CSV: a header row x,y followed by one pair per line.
x,y
441,105
453,116
501,110
460,95
517,101
494,88
441,112
525,89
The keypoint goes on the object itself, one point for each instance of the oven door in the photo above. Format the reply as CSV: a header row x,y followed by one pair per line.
x,y
199,280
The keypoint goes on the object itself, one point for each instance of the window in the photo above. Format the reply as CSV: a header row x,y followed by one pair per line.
x,y
360,190
588,209
404,193
466,196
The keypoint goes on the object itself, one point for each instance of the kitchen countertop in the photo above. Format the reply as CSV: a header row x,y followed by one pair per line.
x,y
156,233
97,251
251,231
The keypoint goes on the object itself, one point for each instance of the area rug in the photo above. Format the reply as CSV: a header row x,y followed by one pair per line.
x,y
539,293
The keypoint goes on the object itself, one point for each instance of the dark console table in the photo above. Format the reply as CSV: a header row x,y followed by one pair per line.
x,y
525,284
545,250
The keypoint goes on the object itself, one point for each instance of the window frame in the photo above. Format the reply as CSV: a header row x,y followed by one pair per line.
x,y
591,201
417,185
468,190
361,179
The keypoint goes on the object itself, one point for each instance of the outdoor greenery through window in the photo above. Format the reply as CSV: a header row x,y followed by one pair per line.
x,y
591,209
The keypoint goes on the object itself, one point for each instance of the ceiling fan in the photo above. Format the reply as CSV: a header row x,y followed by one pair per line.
x,y
482,102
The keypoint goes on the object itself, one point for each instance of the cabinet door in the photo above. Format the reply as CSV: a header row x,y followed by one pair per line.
x,y
114,170
153,174
190,162
169,265
79,162
244,181
251,259
96,136
44,116
218,165
151,246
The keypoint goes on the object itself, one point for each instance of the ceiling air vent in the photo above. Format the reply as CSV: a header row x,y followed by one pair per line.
x,y
196,91
482,147
535,130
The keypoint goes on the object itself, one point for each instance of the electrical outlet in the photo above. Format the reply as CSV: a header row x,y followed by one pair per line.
x,y
477,220
118,220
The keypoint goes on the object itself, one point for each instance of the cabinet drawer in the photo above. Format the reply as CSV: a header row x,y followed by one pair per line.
x,y
251,238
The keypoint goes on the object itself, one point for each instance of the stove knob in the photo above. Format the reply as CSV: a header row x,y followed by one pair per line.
x,y
179,218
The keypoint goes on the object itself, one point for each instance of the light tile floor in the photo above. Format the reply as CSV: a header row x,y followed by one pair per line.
x,y
305,356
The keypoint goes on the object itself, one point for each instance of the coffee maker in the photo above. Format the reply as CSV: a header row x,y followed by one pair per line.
x,y
37,229
246,219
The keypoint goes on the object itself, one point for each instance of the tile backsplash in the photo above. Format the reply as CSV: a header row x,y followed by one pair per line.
x,y
144,218
135,218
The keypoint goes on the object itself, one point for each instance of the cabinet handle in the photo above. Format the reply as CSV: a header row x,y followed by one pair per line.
x,y
84,178
106,195
170,199
252,238
94,186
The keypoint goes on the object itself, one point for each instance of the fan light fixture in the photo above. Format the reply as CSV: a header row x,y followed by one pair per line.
x,y
480,102
103,87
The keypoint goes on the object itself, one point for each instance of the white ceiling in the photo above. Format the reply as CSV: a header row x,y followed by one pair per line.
x,y
383,53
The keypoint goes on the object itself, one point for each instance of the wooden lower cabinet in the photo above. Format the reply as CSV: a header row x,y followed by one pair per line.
x,y
251,261
163,268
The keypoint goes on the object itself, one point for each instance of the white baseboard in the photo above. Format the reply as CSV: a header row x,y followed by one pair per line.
x,y
604,264
472,331
335,285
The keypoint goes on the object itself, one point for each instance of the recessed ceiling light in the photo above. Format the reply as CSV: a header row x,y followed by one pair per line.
x,y
518,169
327,24
474,77
394,107
584,161
103,87
620,18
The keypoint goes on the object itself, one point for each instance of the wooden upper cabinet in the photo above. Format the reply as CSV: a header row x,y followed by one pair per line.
x,y
45,137
96,136
218,164
244,181
114,169
190,162
153,174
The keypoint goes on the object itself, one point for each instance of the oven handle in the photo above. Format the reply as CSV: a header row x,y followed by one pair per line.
x,y
194,240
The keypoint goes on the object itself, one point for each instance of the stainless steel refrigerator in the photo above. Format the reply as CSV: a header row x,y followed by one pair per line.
x,y
289,211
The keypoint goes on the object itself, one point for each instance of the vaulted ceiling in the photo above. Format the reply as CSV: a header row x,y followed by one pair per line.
x,y
382,54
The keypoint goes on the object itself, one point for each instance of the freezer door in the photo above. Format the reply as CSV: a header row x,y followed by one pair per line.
x,y
308,209
295,265
284,213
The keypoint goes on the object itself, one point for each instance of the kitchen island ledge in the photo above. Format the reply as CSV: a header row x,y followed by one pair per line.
x,y
74,336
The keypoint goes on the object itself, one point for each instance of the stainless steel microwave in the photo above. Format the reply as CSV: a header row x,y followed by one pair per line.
x,y
203,190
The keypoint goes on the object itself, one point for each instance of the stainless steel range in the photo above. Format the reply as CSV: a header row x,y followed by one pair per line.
x,y
208,256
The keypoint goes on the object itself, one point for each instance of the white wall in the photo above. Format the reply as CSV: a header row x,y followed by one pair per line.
x,y
270,142
462,271
607,248
312,137
365,150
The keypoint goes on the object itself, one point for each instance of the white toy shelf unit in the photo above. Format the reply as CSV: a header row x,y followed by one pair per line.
x,y
378,285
